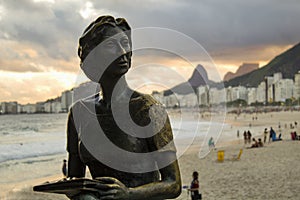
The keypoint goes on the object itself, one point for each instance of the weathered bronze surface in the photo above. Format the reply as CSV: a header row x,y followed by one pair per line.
x,y
105,53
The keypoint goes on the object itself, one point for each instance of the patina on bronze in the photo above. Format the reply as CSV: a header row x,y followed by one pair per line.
x,y
107,66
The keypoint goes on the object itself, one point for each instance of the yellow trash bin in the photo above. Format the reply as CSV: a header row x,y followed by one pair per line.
x,y
221,155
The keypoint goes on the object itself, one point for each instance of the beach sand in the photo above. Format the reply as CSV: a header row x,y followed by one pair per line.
x,y
270,172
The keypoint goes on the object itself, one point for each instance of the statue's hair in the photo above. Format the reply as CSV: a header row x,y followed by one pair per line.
x,y
93,34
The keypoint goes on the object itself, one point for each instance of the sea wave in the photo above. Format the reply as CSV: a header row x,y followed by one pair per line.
x,y
24,161
18,151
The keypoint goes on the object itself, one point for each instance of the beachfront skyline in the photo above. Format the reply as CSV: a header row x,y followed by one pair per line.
x,y
39,37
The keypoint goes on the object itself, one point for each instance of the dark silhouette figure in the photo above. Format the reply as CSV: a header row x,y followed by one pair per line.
x,y
194,189
130,162
64,168
260,144
249,135
265,135
272,134
245,137
255,143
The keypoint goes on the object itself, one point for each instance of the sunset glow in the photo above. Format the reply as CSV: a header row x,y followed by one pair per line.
x,y
39,40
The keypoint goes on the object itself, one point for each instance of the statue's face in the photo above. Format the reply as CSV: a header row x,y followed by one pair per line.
x,y
111,58
117,47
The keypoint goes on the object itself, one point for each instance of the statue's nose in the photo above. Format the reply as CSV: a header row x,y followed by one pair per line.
x,y
121,50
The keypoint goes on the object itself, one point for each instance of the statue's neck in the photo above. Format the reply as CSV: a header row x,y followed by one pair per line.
x,y
113,88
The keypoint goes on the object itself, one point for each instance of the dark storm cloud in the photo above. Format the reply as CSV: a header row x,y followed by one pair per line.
x,y
219,26
53,27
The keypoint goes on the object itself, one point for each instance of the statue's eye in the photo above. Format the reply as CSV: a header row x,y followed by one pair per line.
x,y
125,42
110,44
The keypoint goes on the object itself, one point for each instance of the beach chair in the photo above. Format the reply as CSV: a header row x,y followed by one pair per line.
x,y
238,157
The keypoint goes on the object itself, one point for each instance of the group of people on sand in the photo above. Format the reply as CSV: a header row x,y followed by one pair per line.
x,y
294,135
256,143
272,133
247,137
272,137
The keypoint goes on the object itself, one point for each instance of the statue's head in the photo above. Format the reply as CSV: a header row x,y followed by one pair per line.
x,y
105,48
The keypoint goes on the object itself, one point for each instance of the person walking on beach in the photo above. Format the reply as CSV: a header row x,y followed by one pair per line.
x,y
271,134
265,135
64,168
211,143
195,195
249,135
245,137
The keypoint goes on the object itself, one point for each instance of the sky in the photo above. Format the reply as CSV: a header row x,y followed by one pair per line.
x,y
39,39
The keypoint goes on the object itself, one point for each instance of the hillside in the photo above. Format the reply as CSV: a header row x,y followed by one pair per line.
x,y
198,78
245,68
288,63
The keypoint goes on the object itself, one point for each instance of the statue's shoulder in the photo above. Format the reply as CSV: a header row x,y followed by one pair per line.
x,y
86,103
142,105
143,99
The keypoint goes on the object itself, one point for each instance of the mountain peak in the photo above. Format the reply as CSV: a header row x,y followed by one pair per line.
x,y
243,69
199,77
288,63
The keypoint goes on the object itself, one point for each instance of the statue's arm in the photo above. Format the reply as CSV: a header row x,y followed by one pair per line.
x,y
169,187
162,142
75,166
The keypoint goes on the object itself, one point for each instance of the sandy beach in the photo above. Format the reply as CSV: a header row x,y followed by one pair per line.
x,y
262,173
269,172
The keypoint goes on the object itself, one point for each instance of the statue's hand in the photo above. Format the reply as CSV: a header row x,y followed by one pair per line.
x,y
112,188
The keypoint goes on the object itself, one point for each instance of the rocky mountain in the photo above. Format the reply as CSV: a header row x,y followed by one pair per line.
x,y
198,78
243,69
288,63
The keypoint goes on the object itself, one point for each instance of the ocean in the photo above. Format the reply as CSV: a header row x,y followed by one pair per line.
x,y
29,136
30,142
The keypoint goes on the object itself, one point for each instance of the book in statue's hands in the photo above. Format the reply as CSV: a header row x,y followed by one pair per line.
x,y
69,187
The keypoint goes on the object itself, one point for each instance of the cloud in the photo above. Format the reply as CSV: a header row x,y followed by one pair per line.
x,y
32,87
53,28
215,22
231,31
41,36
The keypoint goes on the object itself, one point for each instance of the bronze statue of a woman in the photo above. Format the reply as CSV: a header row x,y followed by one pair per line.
x,y
128,160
